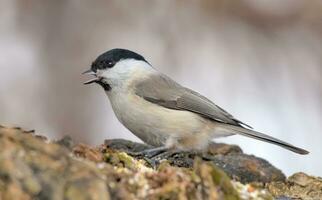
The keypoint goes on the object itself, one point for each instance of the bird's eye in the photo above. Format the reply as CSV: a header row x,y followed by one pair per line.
x,y
104,64
110,64
107,64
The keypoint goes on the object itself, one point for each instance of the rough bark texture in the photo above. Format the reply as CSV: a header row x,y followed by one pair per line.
x,y
230,158
297,186
31,167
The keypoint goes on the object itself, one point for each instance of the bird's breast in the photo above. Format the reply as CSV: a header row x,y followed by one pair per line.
x,y
152,123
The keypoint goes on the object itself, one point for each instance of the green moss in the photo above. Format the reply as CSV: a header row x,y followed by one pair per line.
x,y
218,177
222,180
121,159
163,165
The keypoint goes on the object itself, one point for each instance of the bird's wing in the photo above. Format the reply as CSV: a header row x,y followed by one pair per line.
x,y
162,90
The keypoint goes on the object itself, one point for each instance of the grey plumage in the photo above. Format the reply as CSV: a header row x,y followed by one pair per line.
x,y
163,91
174,96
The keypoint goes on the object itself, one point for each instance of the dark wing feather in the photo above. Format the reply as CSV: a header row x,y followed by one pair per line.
x,y
161,90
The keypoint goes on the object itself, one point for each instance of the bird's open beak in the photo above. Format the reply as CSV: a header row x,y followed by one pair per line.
x,y
89,72
93,80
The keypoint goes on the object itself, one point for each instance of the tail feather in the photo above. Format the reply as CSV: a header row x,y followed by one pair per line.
x,y
265,138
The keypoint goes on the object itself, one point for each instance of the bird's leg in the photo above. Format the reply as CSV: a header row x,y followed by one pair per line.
x,y
166,154
150,153
171,152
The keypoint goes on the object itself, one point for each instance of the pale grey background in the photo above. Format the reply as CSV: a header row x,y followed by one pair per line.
x,y
260,60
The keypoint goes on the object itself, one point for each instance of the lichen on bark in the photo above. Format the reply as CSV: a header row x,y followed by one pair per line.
x,y
32,167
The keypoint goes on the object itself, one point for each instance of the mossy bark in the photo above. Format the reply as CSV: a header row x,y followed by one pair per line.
x,y
31,167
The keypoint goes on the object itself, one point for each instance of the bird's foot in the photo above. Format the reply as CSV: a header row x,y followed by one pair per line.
x,y
173,152
149,153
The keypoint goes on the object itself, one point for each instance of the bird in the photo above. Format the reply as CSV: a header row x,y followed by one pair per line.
x,y
160,111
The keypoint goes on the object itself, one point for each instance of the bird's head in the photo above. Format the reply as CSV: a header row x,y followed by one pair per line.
x,y
115,67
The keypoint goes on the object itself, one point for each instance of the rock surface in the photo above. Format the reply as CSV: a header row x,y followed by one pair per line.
x,y
297,186
31,167
230,158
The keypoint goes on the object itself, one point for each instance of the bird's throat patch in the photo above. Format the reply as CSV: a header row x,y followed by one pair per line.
x,y
105,86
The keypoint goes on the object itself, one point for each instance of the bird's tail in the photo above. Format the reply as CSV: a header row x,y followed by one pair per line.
x,y
261,136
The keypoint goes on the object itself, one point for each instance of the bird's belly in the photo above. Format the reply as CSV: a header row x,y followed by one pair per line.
x,y
157,125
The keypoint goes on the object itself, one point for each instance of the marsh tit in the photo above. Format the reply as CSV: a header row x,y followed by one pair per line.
x,y
160,111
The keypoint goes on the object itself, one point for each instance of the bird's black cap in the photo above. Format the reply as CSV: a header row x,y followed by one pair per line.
x,y
109,58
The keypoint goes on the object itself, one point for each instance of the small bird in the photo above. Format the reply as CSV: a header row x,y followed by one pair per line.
x,y
161,112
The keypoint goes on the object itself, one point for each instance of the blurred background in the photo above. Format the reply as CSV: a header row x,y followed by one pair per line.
x,y
260,60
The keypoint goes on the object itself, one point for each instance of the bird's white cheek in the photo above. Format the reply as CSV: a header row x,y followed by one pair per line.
x,y
103,73
108,76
